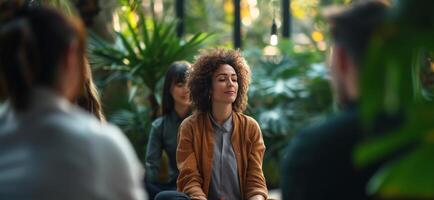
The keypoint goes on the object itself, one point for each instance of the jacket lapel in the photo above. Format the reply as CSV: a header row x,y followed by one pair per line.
x,y
207,151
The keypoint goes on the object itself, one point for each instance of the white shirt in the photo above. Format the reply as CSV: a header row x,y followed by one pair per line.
x,y
54,150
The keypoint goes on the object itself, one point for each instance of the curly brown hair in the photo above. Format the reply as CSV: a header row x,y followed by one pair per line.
x,y
200,79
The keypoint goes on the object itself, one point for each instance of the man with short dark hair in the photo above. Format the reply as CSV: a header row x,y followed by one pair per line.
x,y
318,163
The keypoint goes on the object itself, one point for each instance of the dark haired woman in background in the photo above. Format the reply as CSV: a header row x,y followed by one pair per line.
x,y
49,148
164,131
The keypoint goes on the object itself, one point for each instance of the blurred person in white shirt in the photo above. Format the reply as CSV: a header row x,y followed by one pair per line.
x,y
50,148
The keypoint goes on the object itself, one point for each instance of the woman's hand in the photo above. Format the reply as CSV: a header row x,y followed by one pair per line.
x,y
198,198
257,197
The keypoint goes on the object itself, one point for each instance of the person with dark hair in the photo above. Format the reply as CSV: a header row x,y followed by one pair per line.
x,y
220,150
89,98
164,132
319,160
50,148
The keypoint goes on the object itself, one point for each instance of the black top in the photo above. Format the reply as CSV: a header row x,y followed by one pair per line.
x,y
319,160
163,136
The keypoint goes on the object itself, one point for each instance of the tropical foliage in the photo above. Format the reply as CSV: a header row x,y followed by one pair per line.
x,y
403,86
288,91
140,57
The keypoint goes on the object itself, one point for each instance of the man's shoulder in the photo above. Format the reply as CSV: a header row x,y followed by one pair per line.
x,y
333,137
334,127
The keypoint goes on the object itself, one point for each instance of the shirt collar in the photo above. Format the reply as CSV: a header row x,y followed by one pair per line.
x,y
176,118
227,125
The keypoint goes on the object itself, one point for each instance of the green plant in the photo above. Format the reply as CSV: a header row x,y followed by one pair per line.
x,y
139,58
144,52
402,47
134,121
287,92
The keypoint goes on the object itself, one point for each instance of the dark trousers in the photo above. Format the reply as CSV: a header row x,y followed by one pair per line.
x,y
171,195
154,188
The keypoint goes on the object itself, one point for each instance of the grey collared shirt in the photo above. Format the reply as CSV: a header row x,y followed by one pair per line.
x,y
225,183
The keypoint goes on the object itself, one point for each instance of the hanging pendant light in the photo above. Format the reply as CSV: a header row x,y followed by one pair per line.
x,y
273,37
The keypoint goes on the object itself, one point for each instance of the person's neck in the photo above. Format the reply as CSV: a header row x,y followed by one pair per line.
x,y
182,111
221,112
43,98
62,92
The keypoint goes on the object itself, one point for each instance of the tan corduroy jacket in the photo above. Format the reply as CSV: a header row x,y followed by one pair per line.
x,y
195,153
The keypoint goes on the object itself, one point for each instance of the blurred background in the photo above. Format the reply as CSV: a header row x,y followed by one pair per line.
x,y
289,88
131,43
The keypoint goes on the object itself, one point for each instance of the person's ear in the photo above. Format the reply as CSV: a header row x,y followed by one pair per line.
x,y
342,60
346,74
71,72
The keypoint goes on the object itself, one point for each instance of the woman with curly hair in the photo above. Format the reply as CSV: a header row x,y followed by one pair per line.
x,y
220,150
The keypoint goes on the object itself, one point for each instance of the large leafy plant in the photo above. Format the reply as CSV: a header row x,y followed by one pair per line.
x,y
394,81
141,55
143,52
287,91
